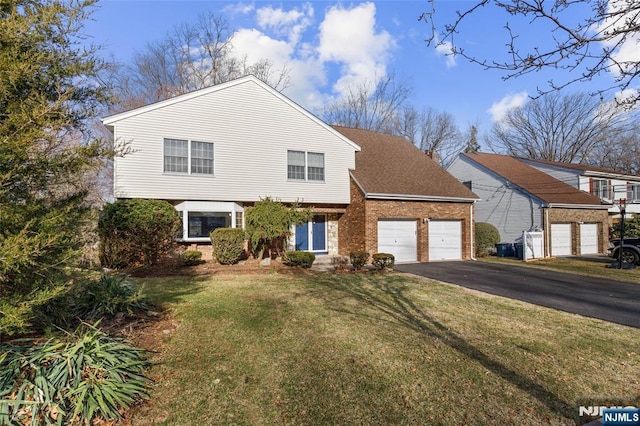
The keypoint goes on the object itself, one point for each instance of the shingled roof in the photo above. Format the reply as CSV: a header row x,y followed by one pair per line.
x,y
583,168
392,167
541,185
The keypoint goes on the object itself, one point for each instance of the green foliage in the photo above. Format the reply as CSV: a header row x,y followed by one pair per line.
x,y
94,299
268,220
48,94
383,261
358,259
304,259
89,377
487,236
631,227
136,231
228,244
191,258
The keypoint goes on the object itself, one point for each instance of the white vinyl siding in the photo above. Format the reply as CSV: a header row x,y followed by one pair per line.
x,y
445,240
252,127
561,239
399,238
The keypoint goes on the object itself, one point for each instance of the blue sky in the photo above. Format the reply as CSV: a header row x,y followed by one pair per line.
x,y
327,45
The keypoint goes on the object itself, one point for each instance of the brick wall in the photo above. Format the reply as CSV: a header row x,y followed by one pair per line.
x,y
577,216
359,225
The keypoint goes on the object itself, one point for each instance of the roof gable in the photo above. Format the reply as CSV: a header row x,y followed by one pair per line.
x,y
392,167
230,85
535,182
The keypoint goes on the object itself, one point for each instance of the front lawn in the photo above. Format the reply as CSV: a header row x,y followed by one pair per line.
x,y
369,348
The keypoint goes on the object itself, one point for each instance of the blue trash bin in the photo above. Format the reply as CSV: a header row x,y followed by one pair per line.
x,y
504,250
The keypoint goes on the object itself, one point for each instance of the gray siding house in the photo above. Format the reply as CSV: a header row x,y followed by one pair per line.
x,y
517,197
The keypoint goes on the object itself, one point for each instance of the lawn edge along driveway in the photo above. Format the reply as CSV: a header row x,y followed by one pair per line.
x,y
595,297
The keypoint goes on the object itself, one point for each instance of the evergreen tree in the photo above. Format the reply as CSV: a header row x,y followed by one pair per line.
x,y
472,140
48,94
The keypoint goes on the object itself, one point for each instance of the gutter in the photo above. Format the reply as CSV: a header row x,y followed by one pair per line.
x,y
579,206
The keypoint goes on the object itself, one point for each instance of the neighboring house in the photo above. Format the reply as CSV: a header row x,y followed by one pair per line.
x,y
608,185
216,151
517,197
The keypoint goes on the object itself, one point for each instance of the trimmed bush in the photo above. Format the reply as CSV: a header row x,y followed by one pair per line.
x,y
88,378
191,258
487,236
228,245
136,231
383,261
304,259
358,259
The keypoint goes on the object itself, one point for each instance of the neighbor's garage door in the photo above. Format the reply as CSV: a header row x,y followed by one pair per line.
x,y
561,239
398,237
445,240
588,238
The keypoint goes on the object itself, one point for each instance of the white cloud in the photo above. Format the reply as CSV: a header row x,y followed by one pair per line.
x,y
499,109
239,8
445,48
627,54
349,37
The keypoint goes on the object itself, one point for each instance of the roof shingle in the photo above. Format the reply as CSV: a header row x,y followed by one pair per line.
x,y
532,180
391,165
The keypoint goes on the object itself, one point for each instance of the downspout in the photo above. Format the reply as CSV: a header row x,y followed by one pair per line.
x,y
471,236
547,232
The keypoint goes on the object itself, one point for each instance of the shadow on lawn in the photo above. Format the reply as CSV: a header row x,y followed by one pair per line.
x,y
386,294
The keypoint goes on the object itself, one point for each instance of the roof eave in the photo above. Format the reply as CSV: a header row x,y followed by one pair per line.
x,y
579,206
417,197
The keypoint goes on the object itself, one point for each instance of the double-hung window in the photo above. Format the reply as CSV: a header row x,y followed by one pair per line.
x,y
188,157
307,166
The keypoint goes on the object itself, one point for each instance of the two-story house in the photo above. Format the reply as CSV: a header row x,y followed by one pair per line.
x,y
608,185
214,152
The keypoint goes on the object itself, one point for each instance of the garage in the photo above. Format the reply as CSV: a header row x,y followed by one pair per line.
x,y
588,238
561,239
445,240
398,237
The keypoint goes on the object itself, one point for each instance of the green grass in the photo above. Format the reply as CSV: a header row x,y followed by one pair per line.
x,y
376,349
595,267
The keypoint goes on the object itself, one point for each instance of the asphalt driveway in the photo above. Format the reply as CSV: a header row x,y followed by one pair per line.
x,y
609,300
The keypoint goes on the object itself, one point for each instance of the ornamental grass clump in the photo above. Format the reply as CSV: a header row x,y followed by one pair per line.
x,y
87,378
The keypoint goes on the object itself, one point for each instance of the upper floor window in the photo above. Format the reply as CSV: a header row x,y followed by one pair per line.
x,y
601,188
184,156
303,165
633,191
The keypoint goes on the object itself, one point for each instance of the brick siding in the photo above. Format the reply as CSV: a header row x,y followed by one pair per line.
x,y
577,216
358,227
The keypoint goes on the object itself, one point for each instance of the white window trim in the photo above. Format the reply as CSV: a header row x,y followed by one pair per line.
x,y
306,166
189,172
205,206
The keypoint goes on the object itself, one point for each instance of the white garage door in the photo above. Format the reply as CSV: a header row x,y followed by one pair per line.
x,y
588,238
398,237
561,239
445,240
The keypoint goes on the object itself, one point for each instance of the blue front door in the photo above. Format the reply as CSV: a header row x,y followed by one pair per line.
x,y
312,236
